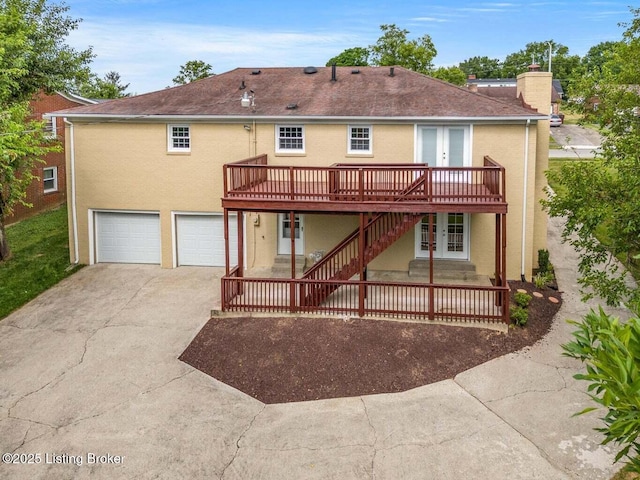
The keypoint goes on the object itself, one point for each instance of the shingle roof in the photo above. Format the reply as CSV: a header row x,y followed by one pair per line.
x,y
371,92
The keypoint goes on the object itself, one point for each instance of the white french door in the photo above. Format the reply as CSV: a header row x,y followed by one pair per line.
x,y
450,236
445,146
285,231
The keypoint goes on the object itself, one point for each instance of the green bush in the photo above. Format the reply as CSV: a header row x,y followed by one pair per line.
x,y
522,299
519,315
544,265
611,352
541,280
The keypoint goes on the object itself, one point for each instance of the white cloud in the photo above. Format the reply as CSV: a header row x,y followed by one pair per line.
x,y
149,55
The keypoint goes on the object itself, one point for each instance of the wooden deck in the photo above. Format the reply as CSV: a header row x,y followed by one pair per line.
x,y
253,185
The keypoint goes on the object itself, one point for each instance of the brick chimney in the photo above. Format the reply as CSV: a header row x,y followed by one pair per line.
x,y
535,88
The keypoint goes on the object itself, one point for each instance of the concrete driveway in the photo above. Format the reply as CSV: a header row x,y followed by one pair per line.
x,y
90,386
576,141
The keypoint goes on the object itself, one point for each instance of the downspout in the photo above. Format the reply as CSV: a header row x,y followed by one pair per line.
x,y
74,210
524,199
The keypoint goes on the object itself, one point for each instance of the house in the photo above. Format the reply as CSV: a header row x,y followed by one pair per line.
x,y
505,88
49,191
351,172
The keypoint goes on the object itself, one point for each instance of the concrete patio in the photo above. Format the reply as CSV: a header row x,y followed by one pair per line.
x,y
90,367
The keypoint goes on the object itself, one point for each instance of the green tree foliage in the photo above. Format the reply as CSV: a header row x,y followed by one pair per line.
x,y
351,57
602,197
109,86
191,71
482,67
33,57
394,48
611,352
450,74
33,52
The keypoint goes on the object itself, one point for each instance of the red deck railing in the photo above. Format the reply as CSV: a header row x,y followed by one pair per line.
x,y
253,179
383,299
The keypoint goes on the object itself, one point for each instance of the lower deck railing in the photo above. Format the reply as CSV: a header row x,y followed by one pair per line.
x,y
462,303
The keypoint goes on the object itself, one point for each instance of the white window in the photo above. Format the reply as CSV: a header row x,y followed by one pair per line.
x,y
49,126
290,138
179,138
50,179
360,139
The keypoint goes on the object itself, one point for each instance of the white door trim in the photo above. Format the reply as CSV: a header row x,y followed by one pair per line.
x,y
440,238
284,245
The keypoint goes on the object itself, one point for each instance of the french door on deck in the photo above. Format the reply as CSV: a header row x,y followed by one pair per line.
x,y
450,236
445,146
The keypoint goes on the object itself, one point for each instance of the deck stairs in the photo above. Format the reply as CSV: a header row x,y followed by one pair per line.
x,y
343,262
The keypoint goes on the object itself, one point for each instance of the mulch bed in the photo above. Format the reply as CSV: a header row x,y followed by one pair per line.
x,y
277,360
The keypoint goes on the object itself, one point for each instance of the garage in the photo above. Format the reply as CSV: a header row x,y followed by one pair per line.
x,y
126,237
200,240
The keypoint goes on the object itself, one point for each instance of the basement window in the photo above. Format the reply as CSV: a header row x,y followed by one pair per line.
x,y
179,138
50,179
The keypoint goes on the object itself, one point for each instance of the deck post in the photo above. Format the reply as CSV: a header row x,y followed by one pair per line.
x,y
226,242
292,289
432,219
361,267
240,220
505,300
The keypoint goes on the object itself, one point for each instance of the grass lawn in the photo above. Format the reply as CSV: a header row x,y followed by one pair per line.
x,y
40,259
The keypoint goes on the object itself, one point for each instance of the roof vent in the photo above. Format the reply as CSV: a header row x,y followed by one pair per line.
x,y
292,106
255,72
242,86
310,70
333,73
355,71
392,72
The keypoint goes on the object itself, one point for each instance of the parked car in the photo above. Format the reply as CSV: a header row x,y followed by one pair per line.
x,y
555,120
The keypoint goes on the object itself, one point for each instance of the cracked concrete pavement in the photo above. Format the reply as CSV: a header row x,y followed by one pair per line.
x,y
90,367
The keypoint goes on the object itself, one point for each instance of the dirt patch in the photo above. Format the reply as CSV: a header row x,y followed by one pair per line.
x,y
277,360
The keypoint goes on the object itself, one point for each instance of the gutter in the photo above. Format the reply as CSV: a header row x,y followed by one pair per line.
x,y
524,199
105,117
74,210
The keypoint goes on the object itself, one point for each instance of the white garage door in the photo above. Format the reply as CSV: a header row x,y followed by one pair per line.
x,y
201,240
127,237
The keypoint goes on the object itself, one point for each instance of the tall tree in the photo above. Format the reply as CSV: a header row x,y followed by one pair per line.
x,y
603,196
450,74
394,48
351,57
191,71
33,57
482,67
109,86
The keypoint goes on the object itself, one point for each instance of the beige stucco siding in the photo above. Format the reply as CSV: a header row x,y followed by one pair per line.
x,y
126,166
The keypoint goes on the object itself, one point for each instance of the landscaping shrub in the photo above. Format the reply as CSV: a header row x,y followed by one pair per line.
x,y
611,352
522,299
544,265
519,315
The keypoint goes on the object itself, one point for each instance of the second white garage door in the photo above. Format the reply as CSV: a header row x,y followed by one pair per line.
x,y
201,240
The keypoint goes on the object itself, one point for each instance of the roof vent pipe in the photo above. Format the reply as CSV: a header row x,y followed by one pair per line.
x,y
333,73
392,72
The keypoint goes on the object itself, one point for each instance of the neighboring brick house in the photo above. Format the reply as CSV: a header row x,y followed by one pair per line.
x,y
50,189
248,167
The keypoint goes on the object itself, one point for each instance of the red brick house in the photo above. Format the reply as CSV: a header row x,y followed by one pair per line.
x,y
50,190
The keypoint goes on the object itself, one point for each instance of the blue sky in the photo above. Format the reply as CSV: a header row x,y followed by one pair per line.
x,y
146,41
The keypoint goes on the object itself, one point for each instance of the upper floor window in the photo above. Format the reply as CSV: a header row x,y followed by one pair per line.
x,y
50,179
179,138
360,139
50,130
290,138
